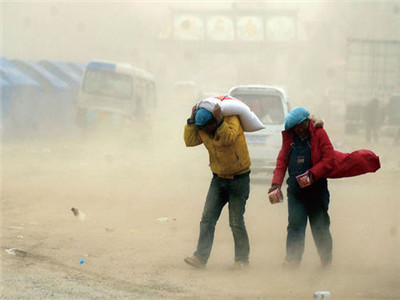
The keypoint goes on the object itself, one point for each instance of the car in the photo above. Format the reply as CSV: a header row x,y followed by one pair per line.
x,y
270,104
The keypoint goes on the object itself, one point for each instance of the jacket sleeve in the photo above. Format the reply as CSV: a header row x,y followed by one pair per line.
x,y
191,136
355,163
281,162
229,130
327,162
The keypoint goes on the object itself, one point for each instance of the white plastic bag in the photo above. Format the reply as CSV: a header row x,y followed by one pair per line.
x,y
231,106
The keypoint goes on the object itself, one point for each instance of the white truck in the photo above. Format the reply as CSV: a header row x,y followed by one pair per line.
x,y
271,107
373,70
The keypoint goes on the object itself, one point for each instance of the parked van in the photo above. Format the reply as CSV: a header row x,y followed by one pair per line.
x,y
270,105
114,93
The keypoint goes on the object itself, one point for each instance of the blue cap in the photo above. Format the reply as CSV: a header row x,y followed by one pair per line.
x,y
296,116
203,116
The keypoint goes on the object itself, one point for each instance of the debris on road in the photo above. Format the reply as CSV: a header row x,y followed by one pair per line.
x,y
78,213
16,252
165,219
15,227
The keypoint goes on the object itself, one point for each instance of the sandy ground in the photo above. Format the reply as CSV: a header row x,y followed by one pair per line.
x,y
128,253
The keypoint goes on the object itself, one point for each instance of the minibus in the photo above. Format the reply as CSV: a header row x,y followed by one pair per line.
x,y
114,93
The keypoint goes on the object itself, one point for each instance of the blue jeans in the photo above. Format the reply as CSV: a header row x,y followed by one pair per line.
x,y
235,192
311,202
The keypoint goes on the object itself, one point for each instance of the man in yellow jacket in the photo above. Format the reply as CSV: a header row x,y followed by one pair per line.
x,y
230,165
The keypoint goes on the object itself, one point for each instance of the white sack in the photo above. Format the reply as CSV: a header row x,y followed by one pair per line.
x,y
231,106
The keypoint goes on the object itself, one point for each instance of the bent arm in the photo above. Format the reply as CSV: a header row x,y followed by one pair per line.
x,y
281,161
191,136
229,130
326,164
280,168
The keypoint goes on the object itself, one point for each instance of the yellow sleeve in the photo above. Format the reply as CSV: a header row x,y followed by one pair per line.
x,y
191,136
229,130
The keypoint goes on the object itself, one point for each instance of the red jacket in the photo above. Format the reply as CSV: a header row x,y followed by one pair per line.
x,y
327,162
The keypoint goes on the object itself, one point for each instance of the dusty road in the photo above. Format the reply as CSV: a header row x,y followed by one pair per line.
x,y
128,253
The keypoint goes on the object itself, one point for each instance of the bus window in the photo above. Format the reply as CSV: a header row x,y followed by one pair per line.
x,y
107,84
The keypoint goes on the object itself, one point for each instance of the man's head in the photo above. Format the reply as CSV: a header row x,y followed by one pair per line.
x,y
296,116
297,120
301,129
204,120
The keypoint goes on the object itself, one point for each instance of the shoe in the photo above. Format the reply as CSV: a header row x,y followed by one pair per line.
x,y
240,265
292,264
194,262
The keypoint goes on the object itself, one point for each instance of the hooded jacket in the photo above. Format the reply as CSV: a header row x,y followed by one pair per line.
x,y
227,149
327,162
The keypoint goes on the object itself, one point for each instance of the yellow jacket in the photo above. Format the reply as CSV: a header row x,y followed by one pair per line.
x,y
227,149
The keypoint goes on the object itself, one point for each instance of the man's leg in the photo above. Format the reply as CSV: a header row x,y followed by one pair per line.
x,y
296,228
239,189
212,211
320,223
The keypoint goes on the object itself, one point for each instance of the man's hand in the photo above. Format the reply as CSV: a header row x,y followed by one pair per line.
x,y
217,113
194,109
311,176
274,187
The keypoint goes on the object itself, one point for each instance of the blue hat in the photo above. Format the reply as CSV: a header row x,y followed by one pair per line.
x,y
203,116
296,116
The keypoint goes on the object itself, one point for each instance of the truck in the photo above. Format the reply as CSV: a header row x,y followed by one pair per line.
x,y
271,106
372,71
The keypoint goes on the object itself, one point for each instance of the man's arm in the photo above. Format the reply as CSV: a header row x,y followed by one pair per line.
x,y
191,135
325,165
228,130
281,162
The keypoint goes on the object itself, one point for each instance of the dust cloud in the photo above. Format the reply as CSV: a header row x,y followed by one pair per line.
x,y
143,194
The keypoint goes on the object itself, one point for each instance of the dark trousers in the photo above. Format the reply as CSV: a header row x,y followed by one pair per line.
x,y
235,192
309,203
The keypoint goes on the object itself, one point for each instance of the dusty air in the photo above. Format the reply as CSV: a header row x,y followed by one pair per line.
x,y
208,150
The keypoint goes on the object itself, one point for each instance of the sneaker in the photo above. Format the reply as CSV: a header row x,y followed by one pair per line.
x,y
292,264
194,262
240,265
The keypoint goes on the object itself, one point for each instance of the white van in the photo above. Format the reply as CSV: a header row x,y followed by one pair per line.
x,y
270,105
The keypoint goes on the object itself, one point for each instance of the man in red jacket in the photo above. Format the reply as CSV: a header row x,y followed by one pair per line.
x,y
307,151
